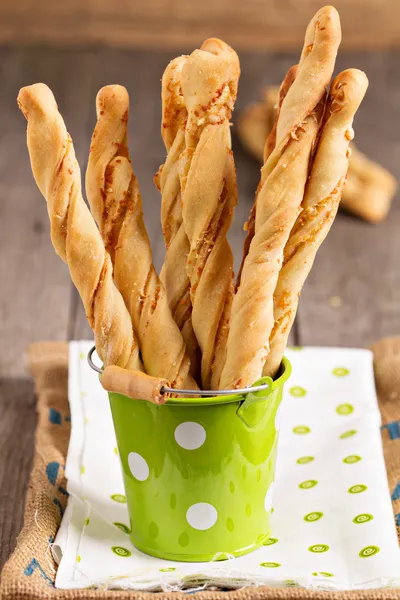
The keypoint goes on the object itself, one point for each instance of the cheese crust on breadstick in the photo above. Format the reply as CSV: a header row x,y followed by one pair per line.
x,y
208,183
252,312
113,193
268,147
320,205
74,234
278,200
173,273
369,188
322,39
173,123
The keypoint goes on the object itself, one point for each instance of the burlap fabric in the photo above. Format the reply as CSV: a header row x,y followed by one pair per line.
x,y
30,572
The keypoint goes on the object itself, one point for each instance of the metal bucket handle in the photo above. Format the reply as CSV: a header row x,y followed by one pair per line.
x,y
180,392
251,395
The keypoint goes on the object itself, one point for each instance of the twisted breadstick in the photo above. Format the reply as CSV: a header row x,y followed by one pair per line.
x,y
208,182
74,234
173,273
320,204
369,188
278,200
114,196
321,43
268,147
174,116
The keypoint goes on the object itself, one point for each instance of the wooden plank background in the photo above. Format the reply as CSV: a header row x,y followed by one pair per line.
x,y
358,262
246,24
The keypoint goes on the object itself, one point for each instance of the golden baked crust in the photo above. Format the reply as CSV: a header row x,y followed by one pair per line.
x,y
114,196
278,200
208,183
369,188
274,101
189,322
319,206
173,273
74,234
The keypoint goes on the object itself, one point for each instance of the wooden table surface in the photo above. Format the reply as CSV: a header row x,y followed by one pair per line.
x,y
253,25
359,263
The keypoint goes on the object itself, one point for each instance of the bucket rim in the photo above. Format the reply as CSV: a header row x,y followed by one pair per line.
x,y
285,371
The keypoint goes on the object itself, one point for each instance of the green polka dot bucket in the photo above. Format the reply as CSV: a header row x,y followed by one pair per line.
x,y
199,472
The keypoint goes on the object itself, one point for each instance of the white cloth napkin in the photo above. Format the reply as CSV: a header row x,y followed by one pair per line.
x,y
332,523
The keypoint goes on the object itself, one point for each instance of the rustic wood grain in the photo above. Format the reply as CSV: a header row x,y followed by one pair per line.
x,y
36,288
254,24
68,73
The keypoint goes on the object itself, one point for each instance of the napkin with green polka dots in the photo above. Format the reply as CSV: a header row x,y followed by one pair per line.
x,y
332,518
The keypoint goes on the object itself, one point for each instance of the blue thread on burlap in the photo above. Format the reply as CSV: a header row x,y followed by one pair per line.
x,y
393,429
396,493
33,565
52,471
54,416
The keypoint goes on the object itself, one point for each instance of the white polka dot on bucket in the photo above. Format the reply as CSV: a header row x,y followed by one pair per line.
x,y
190,435
201,516
269,497
138,466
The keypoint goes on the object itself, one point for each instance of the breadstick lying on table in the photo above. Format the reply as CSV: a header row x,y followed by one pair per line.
x,y
173,273
114,196
74,234
278,200
208,183
320,205
255,122
369,188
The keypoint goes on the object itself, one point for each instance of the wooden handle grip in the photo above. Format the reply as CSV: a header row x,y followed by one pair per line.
x,y
134,384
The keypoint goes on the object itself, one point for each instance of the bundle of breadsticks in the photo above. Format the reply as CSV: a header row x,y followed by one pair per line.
x,y
369,188
190,326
